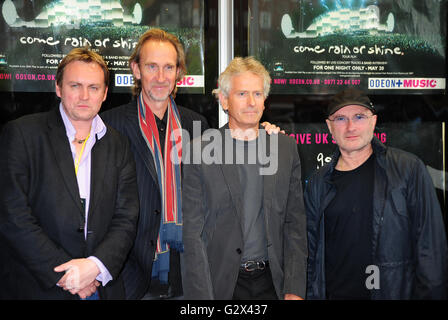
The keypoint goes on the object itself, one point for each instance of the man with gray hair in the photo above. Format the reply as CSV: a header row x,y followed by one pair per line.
x,y
244,227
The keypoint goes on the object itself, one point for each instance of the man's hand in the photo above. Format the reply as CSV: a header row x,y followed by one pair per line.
x,y
272,128
89,290
290,296
79,274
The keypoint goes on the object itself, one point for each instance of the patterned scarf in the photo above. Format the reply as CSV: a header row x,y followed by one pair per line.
x,y
169,179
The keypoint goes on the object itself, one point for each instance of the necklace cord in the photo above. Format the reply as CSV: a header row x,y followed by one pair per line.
x,y
78,159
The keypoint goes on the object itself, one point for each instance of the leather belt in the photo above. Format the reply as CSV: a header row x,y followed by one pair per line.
x,y
251,265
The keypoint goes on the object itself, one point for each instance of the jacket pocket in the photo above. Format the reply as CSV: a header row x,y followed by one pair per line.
x,y
399,203
396,280
395,240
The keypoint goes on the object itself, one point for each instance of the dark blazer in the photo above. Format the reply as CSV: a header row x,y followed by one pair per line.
x,y
138,267
41,212
213,231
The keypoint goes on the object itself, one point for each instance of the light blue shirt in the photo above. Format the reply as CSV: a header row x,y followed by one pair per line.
x,y
97,131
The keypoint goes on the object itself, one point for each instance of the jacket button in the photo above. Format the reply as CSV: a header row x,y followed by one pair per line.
x,y
152,243
238,251
157,211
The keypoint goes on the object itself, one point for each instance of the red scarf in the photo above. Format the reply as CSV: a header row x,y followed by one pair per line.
x,y
169,180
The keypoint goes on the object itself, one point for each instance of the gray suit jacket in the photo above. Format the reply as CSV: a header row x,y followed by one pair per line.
x,y
213,233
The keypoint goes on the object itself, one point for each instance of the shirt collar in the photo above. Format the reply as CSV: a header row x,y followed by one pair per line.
x,y
98,127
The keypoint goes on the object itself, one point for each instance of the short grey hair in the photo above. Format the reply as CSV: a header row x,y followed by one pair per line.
x,y
237,66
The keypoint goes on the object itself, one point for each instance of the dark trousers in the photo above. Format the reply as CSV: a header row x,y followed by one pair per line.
x,y
173,289
255,285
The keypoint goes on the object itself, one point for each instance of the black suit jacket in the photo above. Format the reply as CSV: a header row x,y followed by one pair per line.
x,y
213,230
138,267
41,211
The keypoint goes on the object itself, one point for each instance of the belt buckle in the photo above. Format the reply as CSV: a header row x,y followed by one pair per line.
x,y
250,266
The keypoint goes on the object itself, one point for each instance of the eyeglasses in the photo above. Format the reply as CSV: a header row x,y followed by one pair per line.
x,y
359,118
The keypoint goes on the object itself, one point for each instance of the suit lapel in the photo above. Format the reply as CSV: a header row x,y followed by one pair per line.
x,y
98,169
142,148
232,179
231,176
233,183
269,181
63,155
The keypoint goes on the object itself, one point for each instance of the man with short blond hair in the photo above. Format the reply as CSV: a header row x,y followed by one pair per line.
x,y
68,194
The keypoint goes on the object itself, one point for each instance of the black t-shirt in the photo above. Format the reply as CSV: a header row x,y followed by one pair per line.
x,y
348,233
161,126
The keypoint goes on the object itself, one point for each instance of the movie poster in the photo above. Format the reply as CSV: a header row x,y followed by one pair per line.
x,y
36,34
324,46
424,139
